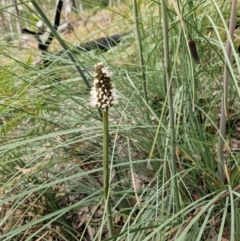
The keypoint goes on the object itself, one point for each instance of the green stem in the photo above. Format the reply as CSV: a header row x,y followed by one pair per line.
x,y
106,171
144,83
170,103
224,111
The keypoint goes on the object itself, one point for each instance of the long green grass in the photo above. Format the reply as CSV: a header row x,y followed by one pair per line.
x,y
51,138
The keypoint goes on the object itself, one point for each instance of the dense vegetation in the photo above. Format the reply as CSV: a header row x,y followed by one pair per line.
x,y
174,162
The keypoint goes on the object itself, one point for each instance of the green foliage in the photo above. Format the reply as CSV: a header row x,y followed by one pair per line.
x,y
51,139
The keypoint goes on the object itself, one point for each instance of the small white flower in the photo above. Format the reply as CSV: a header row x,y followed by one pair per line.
x,y
107,72
96,81
96,65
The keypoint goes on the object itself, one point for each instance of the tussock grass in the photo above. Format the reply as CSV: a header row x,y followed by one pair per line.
x,y
51,139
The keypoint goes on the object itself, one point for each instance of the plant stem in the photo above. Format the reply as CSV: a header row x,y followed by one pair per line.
x,y
224,111
144,83
106,172
168,83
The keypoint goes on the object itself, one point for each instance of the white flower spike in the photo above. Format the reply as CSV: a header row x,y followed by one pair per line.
x,y
103,93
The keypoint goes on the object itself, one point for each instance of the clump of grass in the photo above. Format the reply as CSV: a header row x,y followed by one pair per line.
x,y
52,181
